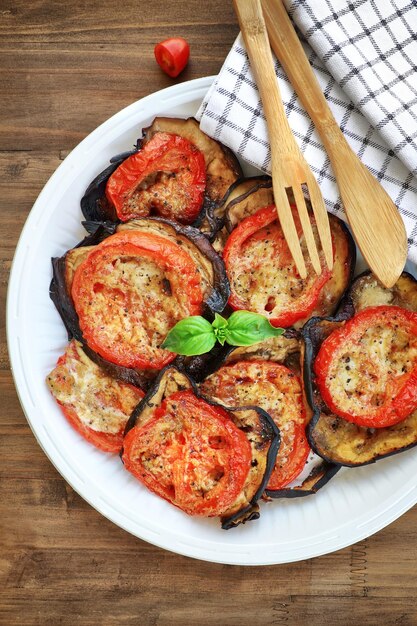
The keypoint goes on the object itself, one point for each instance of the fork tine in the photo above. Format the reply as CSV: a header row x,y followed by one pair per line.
x,y
307,228
322,219
288,227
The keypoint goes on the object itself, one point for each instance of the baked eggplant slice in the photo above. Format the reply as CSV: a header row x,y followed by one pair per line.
x,y
277,390
332,437
261,271
215,224
94,205
196,454
94,403
236,194
221,170
210,264
60,293
284,350
222,167
245,197
166,177
186,241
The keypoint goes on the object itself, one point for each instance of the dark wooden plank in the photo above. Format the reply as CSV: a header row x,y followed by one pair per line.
x,y
103,62
104,23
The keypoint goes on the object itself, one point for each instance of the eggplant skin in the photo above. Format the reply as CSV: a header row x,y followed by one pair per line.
x,y
264,436
222,169
318,477
222,166
210,263
258,426
284,350
94,204
244,198
211,267
247,196
330,436
60,296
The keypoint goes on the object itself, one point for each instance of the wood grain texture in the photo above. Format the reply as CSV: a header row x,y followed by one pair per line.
x,y
65,68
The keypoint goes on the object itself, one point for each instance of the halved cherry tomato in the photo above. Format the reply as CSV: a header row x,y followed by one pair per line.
x,y
191,454
166,177
277,390
366,370
262,273
96,405
172,55
130,291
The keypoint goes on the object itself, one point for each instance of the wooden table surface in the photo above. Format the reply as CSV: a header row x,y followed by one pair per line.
x,y
66,67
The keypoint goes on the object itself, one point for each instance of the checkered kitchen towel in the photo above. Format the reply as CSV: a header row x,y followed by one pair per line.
x,y
364,53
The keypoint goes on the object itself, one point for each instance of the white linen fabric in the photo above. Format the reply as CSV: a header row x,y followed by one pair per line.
x,y
364,54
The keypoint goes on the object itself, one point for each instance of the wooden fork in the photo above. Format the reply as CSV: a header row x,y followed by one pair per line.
x,y
373,217
290,171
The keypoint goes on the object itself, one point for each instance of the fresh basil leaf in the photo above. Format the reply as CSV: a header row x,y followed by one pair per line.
x,y
219,321
219,325
191,336
245,328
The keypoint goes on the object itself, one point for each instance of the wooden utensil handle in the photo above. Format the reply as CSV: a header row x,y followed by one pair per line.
x,y
288,49
252,25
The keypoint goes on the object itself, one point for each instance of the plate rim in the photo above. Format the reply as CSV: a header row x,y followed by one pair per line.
x,y
208,552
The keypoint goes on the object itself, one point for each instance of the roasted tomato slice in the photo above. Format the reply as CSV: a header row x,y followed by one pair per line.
x,y
130,291
262,274
366,370
277,390
191,454
167,177
95,404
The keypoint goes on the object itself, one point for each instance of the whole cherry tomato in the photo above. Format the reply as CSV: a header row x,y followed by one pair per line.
x,y
172,55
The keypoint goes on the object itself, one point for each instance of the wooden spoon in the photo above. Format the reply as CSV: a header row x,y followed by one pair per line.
x,y
373,217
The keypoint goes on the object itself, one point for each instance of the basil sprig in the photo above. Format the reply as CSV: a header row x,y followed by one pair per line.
x,y
195,335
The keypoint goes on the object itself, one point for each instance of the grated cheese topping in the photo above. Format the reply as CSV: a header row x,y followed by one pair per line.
x,y
100,402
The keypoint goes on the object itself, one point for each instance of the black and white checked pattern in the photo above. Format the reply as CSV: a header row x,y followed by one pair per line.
x,y
364,53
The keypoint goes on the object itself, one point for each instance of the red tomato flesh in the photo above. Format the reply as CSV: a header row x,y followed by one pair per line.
x,y
277,390
172,55
191,454
366,370
262,273
166,177
130,291
96,405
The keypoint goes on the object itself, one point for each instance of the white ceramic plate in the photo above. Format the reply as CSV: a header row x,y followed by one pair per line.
x,y
355,504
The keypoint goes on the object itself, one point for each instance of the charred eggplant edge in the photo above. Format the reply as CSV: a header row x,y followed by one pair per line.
x,y
323,472
90,203
220,290
320,476
250,511
345,312
219,221
63,303
259,182
95,192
